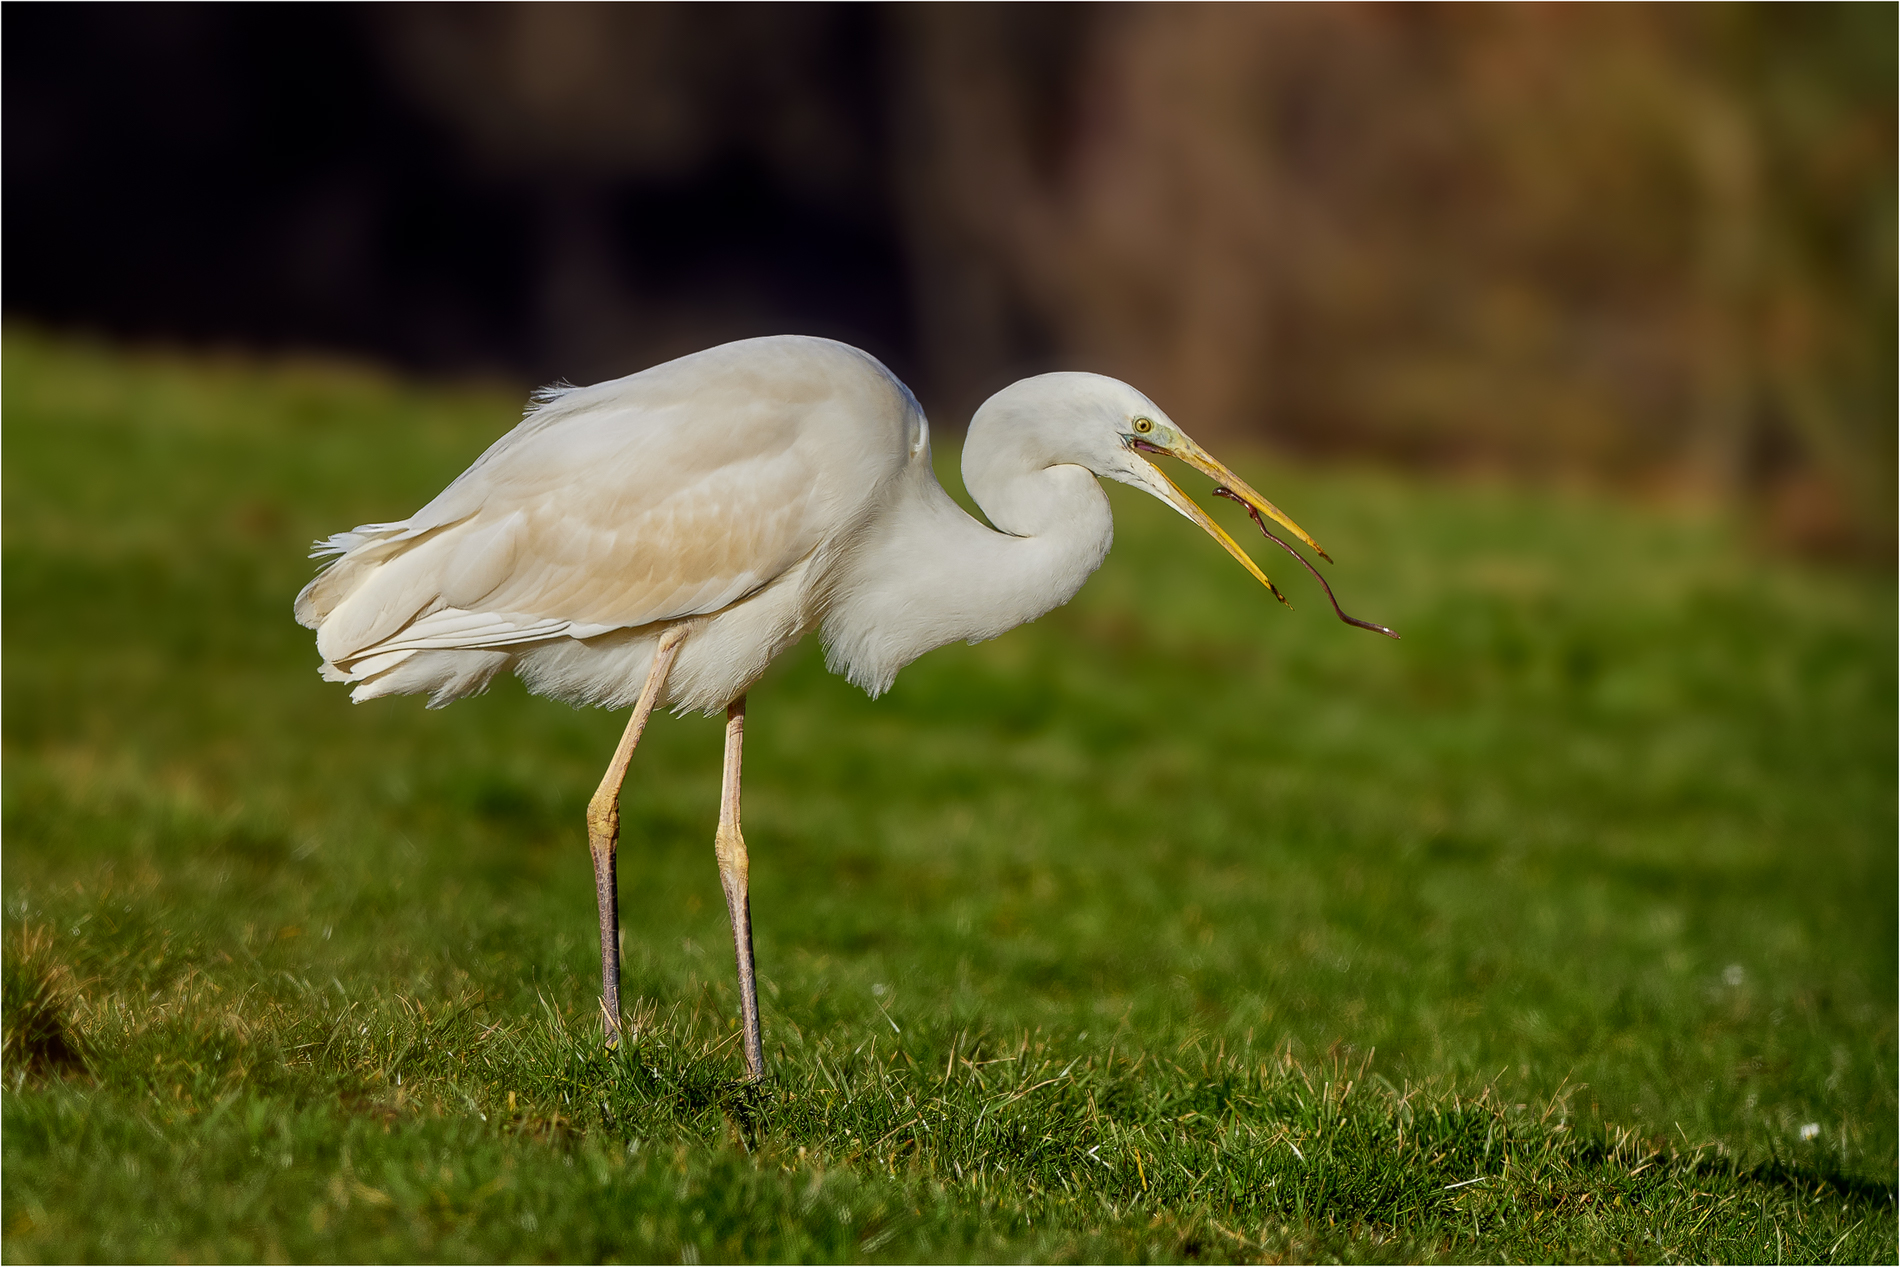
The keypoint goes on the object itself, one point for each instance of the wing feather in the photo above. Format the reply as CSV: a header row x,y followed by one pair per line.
x,y
669,494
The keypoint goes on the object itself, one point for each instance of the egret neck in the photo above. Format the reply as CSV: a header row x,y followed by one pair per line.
x,y
932,574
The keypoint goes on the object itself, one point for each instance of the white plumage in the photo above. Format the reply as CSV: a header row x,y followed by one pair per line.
x,y
658,539
709,484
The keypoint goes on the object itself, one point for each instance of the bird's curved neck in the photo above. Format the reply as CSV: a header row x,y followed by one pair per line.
x,y
934,575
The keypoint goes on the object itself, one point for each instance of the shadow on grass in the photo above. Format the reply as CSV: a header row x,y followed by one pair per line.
x,y
1808,1181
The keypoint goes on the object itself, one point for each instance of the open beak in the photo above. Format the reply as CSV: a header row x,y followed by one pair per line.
x,y
1207,464
1201,460
1232,487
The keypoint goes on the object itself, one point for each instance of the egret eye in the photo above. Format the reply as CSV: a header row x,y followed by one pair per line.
x,y
1144,425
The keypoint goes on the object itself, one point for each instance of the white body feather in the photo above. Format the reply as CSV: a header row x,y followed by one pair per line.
x,y
751,492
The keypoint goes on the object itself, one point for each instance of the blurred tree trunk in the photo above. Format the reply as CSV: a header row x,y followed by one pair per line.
x,y
1721,153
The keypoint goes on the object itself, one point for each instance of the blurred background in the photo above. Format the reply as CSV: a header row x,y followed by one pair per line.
x,y
1643,247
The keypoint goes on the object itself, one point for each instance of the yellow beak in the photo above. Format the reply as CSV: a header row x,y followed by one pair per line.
x,y
1206,463
1180,446
1231,486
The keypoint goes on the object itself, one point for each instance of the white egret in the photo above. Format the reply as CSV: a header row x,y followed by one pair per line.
x,y
658,539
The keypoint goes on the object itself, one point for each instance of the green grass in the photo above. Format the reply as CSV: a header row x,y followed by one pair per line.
x,y
1172,926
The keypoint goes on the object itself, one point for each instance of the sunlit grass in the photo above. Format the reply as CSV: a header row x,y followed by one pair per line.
x,y
1174,925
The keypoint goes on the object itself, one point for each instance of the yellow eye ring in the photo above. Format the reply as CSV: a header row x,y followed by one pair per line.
x,y
1144,425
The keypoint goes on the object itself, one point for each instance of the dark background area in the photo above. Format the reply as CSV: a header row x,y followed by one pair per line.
x,y
267,175
1650,247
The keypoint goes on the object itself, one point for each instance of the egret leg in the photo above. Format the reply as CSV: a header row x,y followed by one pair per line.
x,y
603,833
729,845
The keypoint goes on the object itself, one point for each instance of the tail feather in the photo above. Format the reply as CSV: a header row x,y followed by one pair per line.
x,y
359,559
348,553
445,676
340,543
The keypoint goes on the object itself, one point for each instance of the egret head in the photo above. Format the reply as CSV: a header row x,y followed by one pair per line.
x,y
1113,430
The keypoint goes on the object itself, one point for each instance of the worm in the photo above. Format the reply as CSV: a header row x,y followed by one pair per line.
x,y
1231,495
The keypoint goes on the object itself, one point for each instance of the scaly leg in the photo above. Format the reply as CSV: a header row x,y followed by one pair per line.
x,y
729,845
603,833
